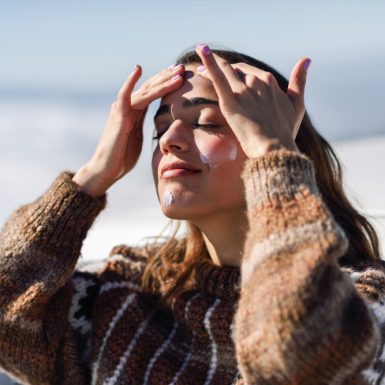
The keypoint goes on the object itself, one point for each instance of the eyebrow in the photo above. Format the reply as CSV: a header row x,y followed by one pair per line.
x,y
193,102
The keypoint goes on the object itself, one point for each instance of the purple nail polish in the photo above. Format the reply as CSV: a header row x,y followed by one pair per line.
x,y
306,65
206,50
175,67
201,69
176,77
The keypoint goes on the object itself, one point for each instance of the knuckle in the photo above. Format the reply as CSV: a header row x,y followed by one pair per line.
x,y
121,95
302,80
156,92
227,106
145,92
225,64
253,81
243,88
239,65
269,77
114,106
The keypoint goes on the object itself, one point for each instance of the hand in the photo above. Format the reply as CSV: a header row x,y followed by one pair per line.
x,y
121,142
261,115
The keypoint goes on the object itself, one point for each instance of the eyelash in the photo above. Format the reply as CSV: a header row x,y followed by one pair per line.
x,y
196,125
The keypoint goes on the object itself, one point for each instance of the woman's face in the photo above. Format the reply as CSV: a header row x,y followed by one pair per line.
x,y
197,161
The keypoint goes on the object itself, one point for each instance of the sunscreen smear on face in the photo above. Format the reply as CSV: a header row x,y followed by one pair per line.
x,y
214,158
168,198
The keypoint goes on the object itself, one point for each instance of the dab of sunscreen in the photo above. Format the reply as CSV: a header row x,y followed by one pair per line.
x,y
168,198
213,157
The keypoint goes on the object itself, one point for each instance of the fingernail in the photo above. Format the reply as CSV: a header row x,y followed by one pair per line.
x,y
306,65
176,77
205,49
174,67
201,69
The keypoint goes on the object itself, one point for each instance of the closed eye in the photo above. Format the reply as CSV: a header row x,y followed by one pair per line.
x,y
209,125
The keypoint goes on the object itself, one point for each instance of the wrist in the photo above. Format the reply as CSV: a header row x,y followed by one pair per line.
x,y
262,147
90,183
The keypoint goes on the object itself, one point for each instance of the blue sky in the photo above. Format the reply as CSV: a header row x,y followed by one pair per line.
x,y
91,46
94,44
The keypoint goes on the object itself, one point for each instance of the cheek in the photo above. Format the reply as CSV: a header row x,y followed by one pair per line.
x,y
215,151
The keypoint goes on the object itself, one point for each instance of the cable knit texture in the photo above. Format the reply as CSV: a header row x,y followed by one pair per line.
x,y
289,315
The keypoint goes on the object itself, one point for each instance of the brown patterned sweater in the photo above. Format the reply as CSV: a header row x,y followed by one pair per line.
x,y
290,315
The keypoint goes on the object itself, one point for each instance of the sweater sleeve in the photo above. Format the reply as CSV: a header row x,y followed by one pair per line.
x,y
39,248
300,319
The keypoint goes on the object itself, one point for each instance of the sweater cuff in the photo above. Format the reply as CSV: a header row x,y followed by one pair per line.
x,y
276,176
64,214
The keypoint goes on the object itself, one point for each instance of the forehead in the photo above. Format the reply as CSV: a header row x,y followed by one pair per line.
x,y
194,85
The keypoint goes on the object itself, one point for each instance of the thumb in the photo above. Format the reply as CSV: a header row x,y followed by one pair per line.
x,y
296,88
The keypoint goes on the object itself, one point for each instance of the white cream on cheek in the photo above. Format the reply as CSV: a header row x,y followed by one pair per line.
x,y
168,198
214,154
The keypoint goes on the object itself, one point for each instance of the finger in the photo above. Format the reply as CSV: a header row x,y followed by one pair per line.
x,y
127,88
201,71
168,79
265,76
142,98
220,81
296,88
164,75
232,75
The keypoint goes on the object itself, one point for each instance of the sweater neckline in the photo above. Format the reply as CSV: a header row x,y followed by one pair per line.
x,y
219,281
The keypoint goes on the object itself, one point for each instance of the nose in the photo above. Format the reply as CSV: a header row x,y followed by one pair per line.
x,y
175,139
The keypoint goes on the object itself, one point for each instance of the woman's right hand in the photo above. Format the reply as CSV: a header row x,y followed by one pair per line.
x,y
120,145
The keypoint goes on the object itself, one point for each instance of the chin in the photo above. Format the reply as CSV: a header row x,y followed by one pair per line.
x,y
177,213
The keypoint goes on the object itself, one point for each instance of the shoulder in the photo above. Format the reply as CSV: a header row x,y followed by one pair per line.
x,y
124,263
145,268
122,269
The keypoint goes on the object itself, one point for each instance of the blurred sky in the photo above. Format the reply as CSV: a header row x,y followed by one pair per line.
x,y
56,49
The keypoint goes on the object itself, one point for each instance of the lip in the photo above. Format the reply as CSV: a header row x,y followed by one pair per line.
x,y
175,169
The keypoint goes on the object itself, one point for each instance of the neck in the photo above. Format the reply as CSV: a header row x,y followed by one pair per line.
x,y
224,235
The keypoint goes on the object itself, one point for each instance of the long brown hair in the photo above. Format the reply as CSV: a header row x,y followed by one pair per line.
x,y
171,264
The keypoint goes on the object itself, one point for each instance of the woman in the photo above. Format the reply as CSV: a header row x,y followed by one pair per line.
x,y
261,289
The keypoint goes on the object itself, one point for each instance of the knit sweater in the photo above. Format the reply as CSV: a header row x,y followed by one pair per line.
x,y
289,315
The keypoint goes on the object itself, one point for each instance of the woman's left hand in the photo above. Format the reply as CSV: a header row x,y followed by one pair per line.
x,y
261,115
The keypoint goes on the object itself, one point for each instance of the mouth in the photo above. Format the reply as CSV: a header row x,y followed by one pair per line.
x,y
178,169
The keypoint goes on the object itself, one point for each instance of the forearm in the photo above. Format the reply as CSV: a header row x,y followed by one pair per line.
x,y
299,319
39,247
47,234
